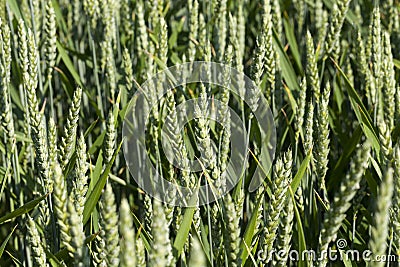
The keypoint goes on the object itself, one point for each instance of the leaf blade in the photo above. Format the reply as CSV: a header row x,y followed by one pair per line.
x,y
3,245
94,196
23,209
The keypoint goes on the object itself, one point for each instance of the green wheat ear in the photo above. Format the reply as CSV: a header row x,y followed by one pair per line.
x,y
197,257
128,72
6,115
322,141
321,21
312,69
396,199
193,10
109,139
299,196
282,175
109,227
23,62
334,217
36,244
335,26
80,182
277,18
231,232
301,106
284,240
127,232
224,115
257,72
389,83
220,29
68,139
216,232
126,18
177,143
52,139
380,227
161,253
308,142
22,46
270,63
374,54
364,68
92,11
60,203
29,64
148,212
397,115
110,70
142,37
163,42
50,29
36,17
98,251
203,36
140,253
76,245
385,138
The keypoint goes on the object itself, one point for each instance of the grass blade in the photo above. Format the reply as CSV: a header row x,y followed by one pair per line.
x,y
183,232
22,210
3,245
250,230
300,173
361,112
94,196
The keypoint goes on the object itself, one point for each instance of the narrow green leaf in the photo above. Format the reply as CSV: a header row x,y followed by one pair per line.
x,y
97,144
95,175
181,236
90,128
146,238
68,63
300,173
300,232
203,238
345,258
249,232
249,252
3,245
289,31
14,258
94,196
52,258
14,6
22,210
361,112
288,72
15,97
396,63
290,96
176,30
59,16
2,149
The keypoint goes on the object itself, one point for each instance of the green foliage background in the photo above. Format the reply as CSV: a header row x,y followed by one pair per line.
x,y
329,70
